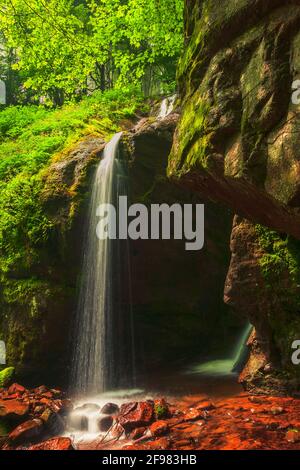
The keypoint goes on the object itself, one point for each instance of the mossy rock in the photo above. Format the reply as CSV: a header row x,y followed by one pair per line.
x,y
6,376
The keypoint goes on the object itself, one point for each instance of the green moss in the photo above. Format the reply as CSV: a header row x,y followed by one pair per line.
x,y
194,136
161,411
6,376
280,267
281,254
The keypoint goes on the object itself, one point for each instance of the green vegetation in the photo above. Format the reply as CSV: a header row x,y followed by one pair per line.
x,y
31,137
280,266
63,49
281,254
6,376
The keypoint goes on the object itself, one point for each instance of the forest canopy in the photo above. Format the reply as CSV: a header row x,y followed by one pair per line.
x,y
57,50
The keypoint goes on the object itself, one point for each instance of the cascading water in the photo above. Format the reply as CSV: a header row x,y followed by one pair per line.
x,y
167,106
103,351
225,366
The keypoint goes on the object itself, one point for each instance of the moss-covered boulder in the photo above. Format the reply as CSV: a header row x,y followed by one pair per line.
x,y
6,376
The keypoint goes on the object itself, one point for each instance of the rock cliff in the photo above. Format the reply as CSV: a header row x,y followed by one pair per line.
x,y
238,142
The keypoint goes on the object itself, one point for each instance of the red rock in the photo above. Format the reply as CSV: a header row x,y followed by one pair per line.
x,y
39,409
58,443
40,390
48,395
293,435
159,428
255,400
26,432
206,406
136,414
193,415
159,444
13,396
16,389
117,431
138,433
277,410
13,408
61,406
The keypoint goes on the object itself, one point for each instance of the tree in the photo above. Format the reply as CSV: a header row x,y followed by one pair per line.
x,y
65,47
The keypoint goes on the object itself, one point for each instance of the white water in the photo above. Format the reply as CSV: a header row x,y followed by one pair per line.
x,y
103,357
224,366
167,106
90,410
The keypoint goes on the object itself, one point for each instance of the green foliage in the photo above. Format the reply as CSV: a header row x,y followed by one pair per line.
x,y
6,376
30,137
65,47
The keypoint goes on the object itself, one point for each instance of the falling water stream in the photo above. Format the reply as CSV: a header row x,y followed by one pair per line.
x,y
103,366
167,106
223,367
103,352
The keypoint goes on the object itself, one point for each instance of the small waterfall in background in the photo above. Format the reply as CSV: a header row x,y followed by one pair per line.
x,y
167,106
225,366
103,351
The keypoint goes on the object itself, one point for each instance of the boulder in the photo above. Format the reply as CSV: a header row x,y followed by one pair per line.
x,y
13,409
159,428
54,423
30,431
58,443
136,414
105,423
109,409
138,433
16,388
293,436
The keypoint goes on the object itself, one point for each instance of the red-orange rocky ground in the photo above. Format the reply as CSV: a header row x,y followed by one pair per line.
x,y
242,422
238,423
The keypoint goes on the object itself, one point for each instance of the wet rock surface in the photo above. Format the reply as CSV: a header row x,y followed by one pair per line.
x,y
194,422
32,415
241,422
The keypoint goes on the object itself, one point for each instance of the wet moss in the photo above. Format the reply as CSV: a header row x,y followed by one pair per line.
x,y
6,376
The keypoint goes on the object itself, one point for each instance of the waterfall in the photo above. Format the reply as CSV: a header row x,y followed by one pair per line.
x,y
225,366
167,106
103,350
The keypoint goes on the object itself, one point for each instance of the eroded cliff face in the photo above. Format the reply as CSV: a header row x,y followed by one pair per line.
x,y
238,142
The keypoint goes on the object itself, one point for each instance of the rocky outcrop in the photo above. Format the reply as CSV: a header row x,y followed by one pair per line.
x,y
237,143
237,139
262,284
